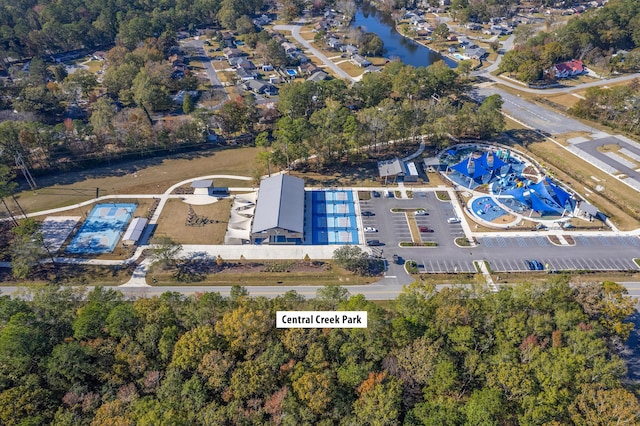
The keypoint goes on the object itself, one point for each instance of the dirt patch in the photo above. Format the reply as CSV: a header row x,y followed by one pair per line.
x,y
173,222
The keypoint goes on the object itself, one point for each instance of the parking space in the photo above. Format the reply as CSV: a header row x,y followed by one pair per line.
x,y
519,242
565,264
607,241
441,266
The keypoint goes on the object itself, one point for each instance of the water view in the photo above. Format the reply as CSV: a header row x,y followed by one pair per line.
x,y
397,46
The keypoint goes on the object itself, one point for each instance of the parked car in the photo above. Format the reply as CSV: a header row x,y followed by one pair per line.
x,y
367,213
375,194
425,229
530,265
453,220
539,266
370,229
374,243
390,194
421,212
398,259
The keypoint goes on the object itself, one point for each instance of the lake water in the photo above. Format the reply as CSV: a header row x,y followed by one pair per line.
x,y
397,46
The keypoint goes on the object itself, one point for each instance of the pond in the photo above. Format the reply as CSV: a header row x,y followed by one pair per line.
x,y
396,45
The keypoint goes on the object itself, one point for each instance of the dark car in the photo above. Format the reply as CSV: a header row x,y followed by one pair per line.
x,y
367,213
398,259
375,194
530,265
374,243
390,194
539,266
425,229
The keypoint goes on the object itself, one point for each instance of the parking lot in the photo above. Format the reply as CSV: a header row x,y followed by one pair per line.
x,y
564,264
504,253
443,266
393,228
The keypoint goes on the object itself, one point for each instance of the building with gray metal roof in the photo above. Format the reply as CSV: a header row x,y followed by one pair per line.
x,y
279,214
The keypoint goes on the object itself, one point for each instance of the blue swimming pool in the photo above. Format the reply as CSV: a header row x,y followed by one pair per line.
x,y
102,229
458,56
487,209
291,72
332,217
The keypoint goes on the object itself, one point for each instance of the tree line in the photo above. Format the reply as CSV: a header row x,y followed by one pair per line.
x,y
328,119
596,36
528,354
333,122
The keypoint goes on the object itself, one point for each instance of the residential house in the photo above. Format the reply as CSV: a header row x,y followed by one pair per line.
x,y
350,49
570,68
261,87
373,68
321,25
318,76
308,68
226,35
245,75
416,20
289,48
236,60
300,57
246,65
360,61
230,52
477,53
267,67
278,37
334,43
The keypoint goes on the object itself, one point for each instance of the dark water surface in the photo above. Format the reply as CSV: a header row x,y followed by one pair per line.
x,y
397,46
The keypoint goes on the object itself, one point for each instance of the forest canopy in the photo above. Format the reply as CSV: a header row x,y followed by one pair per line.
x,y
530,354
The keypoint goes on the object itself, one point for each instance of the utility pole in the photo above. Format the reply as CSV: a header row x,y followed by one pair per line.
x,y
25,171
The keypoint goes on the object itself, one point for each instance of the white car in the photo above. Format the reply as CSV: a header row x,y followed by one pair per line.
x,y
370,229
454,220
421,212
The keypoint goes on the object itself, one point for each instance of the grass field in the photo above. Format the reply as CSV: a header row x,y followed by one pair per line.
x,y
331,276
146,176
172,222
351,69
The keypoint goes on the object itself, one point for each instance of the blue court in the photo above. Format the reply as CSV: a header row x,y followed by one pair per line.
x,y
332,218
102,229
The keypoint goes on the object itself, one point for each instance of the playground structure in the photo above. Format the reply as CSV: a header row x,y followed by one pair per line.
x,y
508,186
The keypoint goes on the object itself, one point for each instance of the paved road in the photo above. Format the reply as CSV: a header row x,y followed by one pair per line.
x,y
198,45
534,115
295,32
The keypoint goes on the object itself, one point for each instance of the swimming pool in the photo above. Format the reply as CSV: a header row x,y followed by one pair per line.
x,y
102,229
332,218
458,56
291,72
